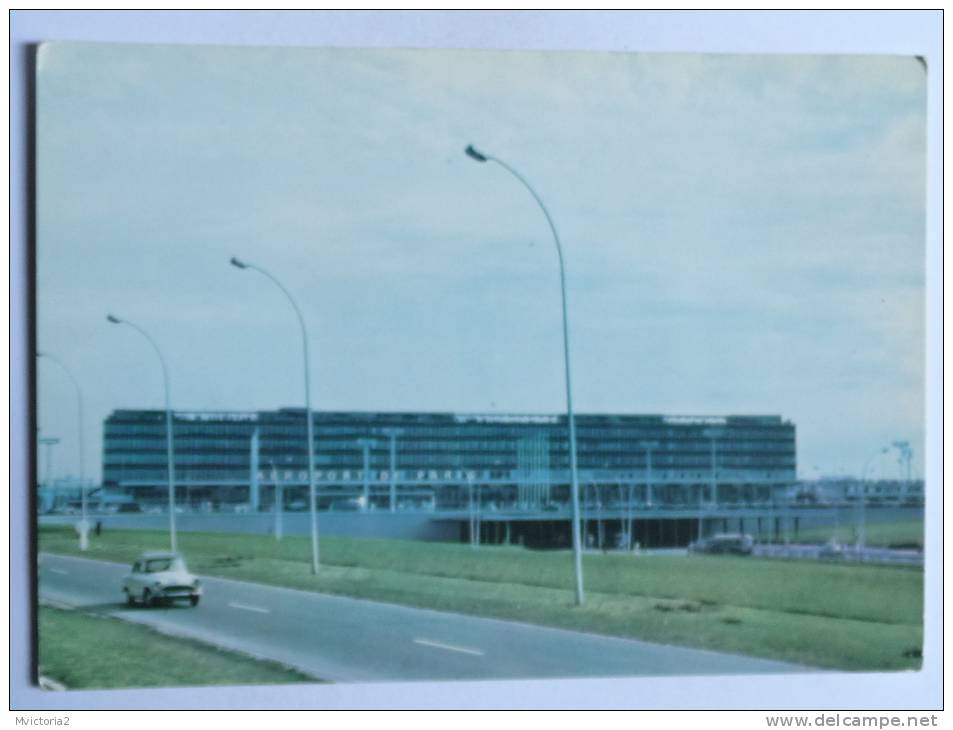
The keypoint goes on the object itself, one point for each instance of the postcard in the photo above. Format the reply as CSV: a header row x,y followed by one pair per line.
x,y
362,365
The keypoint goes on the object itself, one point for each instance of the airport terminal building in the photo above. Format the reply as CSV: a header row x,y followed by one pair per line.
x,y
445,461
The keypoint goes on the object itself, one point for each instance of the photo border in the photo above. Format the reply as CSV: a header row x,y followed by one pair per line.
x,y
853,32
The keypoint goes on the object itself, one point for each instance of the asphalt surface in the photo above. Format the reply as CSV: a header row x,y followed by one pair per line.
x,y
848,553
351,640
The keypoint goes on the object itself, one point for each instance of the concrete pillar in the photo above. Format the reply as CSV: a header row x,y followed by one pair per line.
x,y
253,495
279,504
392,501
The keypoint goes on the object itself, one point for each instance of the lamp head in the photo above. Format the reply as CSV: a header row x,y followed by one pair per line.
x,y
475,154
237,263
114,320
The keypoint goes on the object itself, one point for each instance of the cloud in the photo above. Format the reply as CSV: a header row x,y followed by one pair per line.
x,y
741,233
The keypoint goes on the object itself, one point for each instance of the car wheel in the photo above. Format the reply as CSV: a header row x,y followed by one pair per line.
x,y
147,599
130,601
194,600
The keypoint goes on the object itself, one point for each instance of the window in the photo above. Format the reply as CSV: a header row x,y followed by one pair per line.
x,y
160,565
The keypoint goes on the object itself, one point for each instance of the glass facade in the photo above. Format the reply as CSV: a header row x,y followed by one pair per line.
x,y
512,461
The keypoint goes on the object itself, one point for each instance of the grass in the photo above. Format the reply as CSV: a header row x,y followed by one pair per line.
x,y
828,615
905,534
91,651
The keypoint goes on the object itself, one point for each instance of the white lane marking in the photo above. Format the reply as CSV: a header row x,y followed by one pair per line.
x,y
245,607
59,570
448,647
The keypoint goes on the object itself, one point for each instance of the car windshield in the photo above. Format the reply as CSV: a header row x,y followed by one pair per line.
x,y
159,565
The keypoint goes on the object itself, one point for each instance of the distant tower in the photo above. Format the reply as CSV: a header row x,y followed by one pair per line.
x,y
49,442
906,457
49,496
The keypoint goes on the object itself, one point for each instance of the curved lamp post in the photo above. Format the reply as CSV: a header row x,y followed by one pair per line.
x,y
84,523
237,263
475,154
169,436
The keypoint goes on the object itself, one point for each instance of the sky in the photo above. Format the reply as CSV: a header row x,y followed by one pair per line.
x,y
742,235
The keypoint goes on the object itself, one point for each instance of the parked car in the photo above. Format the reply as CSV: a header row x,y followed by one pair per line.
x,y
724,544
160,578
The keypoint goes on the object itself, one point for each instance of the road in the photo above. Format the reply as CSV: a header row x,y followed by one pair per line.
x,y
351,640
847,553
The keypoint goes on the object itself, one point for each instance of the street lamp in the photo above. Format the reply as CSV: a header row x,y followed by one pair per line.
x,y
307,397
474,154
170,449
84,523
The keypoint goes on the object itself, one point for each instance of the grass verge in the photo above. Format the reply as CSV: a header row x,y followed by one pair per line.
x,y
854,617
905,534
91,651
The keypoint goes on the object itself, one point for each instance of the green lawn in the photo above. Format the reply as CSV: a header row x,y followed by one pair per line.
x,y
908,534
829,615
82,650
